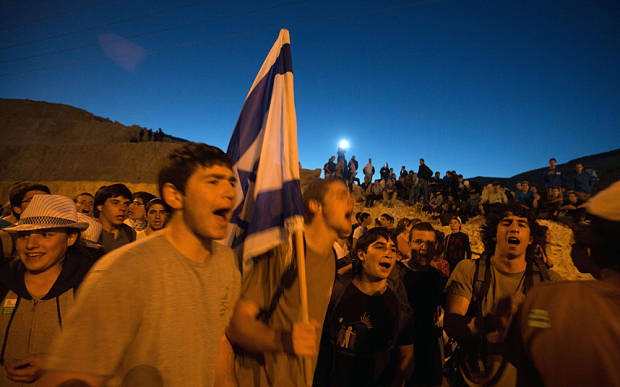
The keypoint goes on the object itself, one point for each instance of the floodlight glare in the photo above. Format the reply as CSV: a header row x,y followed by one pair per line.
x,y
344,144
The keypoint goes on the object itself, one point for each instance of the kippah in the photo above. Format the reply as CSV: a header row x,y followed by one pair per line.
x,y
606,204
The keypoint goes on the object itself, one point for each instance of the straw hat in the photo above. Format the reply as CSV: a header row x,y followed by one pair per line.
x,y
48,211
90,236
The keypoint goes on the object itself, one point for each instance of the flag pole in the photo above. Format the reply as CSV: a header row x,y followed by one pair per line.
x,y
303,296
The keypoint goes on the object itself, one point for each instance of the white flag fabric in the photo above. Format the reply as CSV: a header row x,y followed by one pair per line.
x,y
263,148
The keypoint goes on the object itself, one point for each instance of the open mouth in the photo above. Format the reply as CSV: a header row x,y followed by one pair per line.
x,y
386,265
34,255
221,215
85,211
513,241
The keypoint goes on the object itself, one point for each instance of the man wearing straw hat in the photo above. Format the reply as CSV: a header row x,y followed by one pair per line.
x,y
38,288
154,312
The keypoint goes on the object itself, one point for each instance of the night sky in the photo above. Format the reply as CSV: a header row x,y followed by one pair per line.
x,y
490,88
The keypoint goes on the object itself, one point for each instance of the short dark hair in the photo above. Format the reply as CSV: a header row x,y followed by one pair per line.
x,y
182,161
402,224
145,196
553,159
489,229
370,237
364,216
110,191
83,194
21,188
496,184
422,226
316,190
153,201
388,217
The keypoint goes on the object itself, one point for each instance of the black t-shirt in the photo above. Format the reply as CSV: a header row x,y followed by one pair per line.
x,y
457,249
364,326
424,293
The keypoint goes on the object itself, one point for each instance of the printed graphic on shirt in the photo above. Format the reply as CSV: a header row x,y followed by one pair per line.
x,y
348,334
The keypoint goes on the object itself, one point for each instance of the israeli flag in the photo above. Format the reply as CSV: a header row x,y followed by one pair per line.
x,y
263,148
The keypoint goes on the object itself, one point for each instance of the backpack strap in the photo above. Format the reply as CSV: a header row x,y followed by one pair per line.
x,y
286,281
536,270
482,281
7,244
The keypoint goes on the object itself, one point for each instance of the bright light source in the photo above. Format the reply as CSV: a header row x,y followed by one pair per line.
x,y
344,144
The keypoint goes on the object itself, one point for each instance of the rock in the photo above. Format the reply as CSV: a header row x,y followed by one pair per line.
x,y
558,237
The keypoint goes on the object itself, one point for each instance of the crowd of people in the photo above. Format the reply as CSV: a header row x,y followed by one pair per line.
x,y
133,289
444,197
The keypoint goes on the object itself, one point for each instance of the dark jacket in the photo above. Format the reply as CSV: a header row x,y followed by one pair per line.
x,y
28,325
424,172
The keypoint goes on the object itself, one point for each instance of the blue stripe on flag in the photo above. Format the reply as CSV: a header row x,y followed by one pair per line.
x,y
271,208
256,107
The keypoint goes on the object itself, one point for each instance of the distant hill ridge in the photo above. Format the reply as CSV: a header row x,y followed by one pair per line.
x,y
73,151
606,165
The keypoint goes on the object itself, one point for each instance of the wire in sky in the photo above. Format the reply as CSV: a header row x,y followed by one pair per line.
x,y
55,16
224,37
156,32
108,24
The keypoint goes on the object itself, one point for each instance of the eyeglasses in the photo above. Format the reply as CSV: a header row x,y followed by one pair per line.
x,y
421,242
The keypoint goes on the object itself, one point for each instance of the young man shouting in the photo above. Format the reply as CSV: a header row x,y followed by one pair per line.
x,y
274,339
365,321
508,272
154,312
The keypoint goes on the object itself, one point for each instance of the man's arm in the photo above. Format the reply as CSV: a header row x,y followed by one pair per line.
x,y
459,326
456,324
248,332
225,374
405,365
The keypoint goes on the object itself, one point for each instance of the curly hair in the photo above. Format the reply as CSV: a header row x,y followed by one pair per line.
x,y
489,229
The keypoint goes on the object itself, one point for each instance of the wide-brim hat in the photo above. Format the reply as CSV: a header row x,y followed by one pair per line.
x,y
90,236
48,211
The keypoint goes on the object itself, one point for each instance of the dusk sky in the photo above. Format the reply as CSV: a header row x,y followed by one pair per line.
x,y
490,88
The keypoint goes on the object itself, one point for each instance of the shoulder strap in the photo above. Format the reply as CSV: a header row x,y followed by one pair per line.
x,y
288,277
7,244
535,271
482,278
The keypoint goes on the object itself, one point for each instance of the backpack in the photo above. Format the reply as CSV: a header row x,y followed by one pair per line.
x,y
470,351
535,273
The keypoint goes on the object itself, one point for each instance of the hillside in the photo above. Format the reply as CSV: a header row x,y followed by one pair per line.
x,y
607,166
73,151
